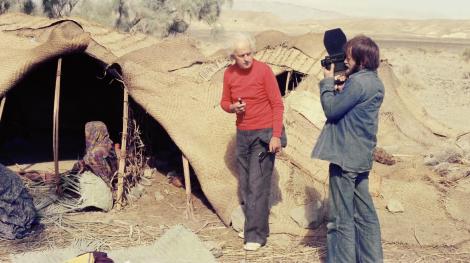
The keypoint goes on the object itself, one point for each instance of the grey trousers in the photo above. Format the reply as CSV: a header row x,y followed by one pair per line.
x,y
255,175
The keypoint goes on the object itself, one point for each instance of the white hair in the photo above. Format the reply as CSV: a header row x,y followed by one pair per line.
x,y
238,38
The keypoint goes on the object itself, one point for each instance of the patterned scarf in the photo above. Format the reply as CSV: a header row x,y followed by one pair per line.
x,y
100,156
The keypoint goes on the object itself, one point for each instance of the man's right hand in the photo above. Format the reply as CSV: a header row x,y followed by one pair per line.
x,y
342,78
238,107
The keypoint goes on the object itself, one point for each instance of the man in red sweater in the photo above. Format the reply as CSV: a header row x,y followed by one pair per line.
x,y
252,93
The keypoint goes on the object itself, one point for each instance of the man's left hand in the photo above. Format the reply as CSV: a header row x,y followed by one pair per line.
x,y
329,73
275,145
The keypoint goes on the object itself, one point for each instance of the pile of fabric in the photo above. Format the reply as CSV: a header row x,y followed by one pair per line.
x,y
18,216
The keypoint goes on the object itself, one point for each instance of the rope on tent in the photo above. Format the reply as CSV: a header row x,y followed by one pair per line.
x,y
187,185
55,129
2,105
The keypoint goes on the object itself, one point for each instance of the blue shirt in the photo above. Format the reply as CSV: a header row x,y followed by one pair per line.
x,y
350,132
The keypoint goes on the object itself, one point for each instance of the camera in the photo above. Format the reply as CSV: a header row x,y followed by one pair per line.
x,y
334,41
337,59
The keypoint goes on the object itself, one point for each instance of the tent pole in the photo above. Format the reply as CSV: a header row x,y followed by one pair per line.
x,y
2,105
122,154
287,82
187,185
55,128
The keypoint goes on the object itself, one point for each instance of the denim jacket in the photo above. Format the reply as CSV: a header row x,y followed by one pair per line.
x,y
349,135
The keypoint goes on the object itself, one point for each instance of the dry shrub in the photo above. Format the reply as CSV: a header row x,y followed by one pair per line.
x,y
159,18
422,50
412,82
136,161
409,79
405,70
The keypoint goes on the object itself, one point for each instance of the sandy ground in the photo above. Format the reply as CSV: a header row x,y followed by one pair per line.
x,y
145,220
438,75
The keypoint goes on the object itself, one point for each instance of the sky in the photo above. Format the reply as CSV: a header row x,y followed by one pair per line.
x,y
407,9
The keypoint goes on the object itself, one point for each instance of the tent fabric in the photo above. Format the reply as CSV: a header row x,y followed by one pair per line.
x,y
16,62
290,58
168,55
164,78
310,44
283,52
106,45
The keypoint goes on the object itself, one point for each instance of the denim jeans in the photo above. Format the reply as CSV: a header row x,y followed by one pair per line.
x,y
353,229
255,175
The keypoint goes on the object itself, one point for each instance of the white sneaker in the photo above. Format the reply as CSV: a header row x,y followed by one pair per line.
x,y
241,234
251,246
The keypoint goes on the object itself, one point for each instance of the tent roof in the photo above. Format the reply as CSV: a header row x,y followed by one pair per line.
x,y
114,41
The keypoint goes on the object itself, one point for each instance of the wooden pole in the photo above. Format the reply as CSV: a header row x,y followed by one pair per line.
x,y
287,82
2,105
187,185
122,153
55,128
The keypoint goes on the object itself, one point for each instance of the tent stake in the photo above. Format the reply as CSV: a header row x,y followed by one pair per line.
x,y
122,153
187,185
55,128
2,105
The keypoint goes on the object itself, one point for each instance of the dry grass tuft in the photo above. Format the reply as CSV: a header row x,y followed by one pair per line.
x,y
466,55
405,70
64,230
136,161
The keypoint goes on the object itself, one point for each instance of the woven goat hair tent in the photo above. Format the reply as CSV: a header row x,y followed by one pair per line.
x,y
181,88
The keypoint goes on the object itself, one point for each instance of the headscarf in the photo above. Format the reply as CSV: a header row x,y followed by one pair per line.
x,y
100,156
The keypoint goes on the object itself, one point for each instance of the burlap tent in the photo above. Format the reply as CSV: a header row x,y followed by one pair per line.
x,y
180,89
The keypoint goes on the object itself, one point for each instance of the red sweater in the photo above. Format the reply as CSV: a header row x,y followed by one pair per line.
x,y
258,88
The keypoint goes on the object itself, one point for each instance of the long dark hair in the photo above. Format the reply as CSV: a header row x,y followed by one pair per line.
x,y
364,51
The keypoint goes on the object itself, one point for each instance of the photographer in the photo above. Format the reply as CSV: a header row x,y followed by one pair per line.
x,y
347,141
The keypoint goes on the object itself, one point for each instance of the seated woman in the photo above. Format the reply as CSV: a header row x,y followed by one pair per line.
x,y
100,156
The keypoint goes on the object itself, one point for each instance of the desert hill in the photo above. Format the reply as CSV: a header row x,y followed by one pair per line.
x,y
255,21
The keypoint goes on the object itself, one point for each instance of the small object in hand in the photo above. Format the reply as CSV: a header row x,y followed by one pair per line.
x,y
339,81
240,100
263,155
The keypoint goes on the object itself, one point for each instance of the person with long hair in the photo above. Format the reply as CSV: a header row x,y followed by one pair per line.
x,y
347,142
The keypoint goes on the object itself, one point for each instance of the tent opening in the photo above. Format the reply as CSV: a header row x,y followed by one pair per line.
x,y
288,81
159,149
26,125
